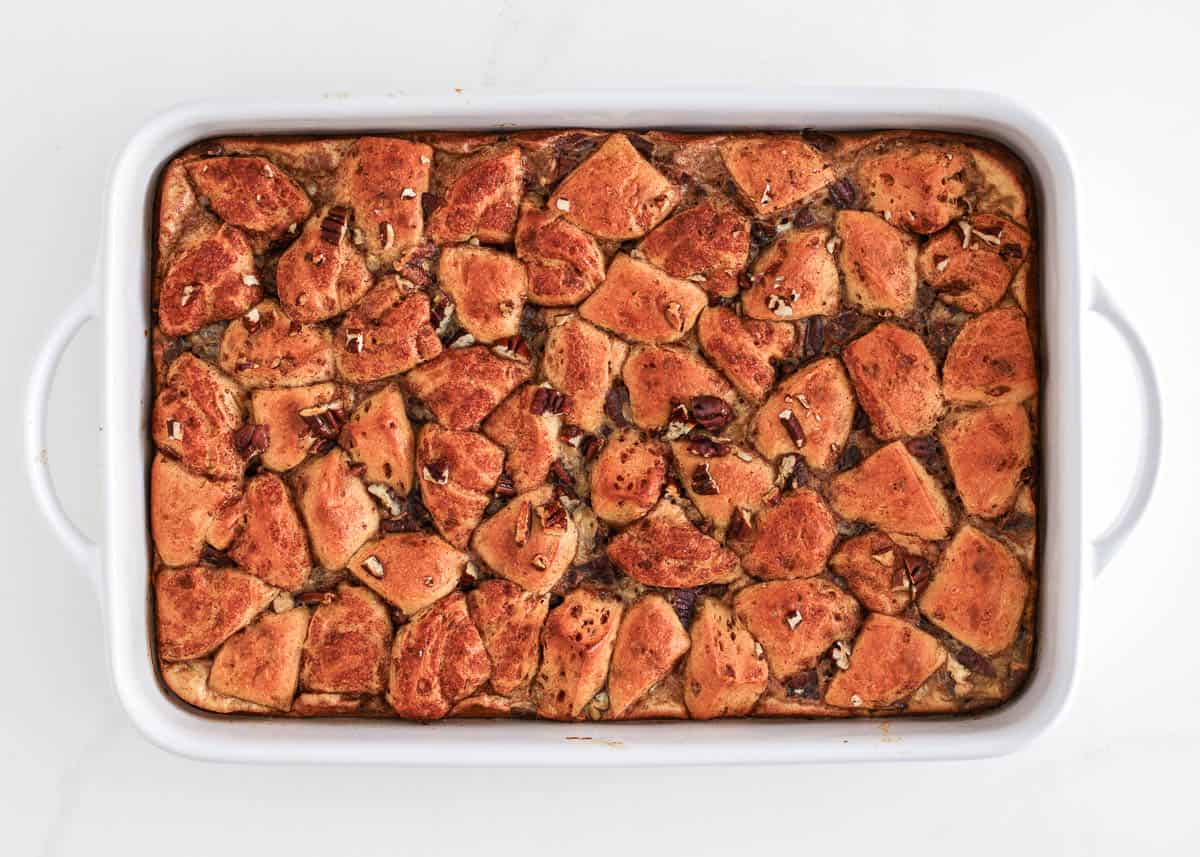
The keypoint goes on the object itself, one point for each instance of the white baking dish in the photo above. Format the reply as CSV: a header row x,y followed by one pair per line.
x,y
118,566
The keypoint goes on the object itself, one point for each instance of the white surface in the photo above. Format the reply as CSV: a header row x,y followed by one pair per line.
x,y
75,778
124,310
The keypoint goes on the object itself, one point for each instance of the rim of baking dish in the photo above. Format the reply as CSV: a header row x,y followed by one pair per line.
x,y
126,552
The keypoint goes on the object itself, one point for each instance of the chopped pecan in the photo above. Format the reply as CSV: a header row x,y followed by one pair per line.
x,y
792,423
316,597
553,516
562,478
614,404
324,421
850,457
514,347
437,472
702,480
918,572
546,400
711,413
706,448
333,226
814,336
524,524
589,446
842,193
739,524
505,487
251,440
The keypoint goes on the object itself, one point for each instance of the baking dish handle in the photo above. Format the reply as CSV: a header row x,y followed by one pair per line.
x,y
1109,542
83,550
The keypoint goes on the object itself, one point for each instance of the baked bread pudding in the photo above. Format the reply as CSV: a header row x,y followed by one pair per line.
x,y
592,425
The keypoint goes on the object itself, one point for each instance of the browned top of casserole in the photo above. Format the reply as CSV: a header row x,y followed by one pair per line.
x,y
588,424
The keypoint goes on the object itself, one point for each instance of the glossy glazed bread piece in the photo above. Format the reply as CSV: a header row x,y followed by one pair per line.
x,y
582,424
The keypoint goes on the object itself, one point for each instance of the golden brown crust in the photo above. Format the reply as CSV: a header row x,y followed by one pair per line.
x,y
707,244
977,592
509,621
379,436
289,437
914,185
643,304
336,507
261,663
665,549
664,701
265,347
892,491
322,274
531,541
792,538
577,644
382,179
891,659
437,659
387,333
212,280
628,476
529,440
272,544
189,679
480,198
615,193
195,416
649,643
794,277
721,484
347,645
726,670
251,193
988,450
876,568
658,376
820,398
896,381
410,571
774,172
991,360
198,608
457,471
971,263
582,361
488,289
183,507
796,621
463,385
879,263
564,263
743,349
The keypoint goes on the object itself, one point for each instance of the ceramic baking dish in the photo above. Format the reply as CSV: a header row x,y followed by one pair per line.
x,y
118,566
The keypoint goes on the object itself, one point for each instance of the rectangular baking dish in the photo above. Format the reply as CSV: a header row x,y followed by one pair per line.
x,y
119,565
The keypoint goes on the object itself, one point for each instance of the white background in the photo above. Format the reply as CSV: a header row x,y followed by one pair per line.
x,y
1118,80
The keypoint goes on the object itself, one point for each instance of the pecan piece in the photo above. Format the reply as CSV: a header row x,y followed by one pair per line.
x,y
505,487
702,480
792,423
251,440
842,193
711,413
333,226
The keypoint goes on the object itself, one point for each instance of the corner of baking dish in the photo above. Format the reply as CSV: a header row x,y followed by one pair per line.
x,y
125,272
